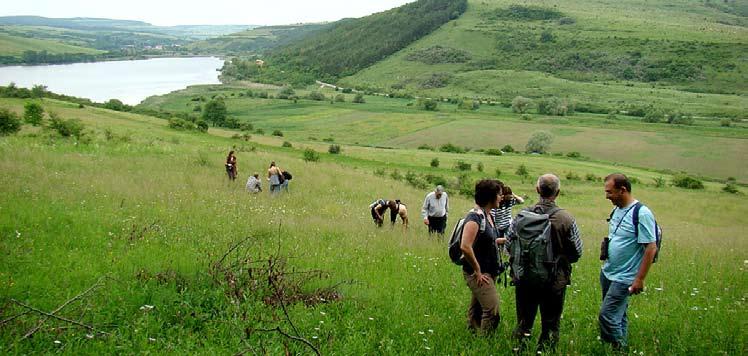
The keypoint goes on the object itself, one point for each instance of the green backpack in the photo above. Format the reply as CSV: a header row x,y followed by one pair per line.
x,y
530,252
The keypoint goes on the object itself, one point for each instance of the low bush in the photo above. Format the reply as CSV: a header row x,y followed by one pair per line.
x,y
463,166
479,167
425,147
287,144
396,175
659,182
449,147
574,154
435,162
334,149
278,133
507,149
522,171
572,176
358,99
33,113
592,178
493,152
66,128
315,95
687,182
310,155
521,104
9,122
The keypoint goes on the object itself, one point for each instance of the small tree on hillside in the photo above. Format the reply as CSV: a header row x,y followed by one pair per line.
x,y
116,105
539,142
33,113
359,99
215,112
9,122
520,104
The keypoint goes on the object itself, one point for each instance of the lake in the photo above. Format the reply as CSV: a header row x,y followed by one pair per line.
x,y
129,81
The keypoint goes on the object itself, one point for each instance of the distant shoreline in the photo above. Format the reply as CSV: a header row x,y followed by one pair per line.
x,y
116,59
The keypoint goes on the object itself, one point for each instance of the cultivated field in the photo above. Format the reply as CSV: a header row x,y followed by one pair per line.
x,y
149,208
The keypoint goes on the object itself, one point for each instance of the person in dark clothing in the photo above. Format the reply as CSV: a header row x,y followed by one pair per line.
x,y
231,166
480,266
567,247
378,207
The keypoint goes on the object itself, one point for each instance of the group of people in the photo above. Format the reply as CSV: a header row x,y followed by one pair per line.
x,y
277,178
627,252
397,208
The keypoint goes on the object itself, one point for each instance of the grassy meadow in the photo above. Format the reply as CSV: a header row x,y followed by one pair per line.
x,y
15,46
706,148
149,208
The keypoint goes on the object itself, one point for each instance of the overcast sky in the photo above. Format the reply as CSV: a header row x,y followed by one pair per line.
x,y
212,12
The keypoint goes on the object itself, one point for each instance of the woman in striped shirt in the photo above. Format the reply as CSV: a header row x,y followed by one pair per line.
x,y
503,214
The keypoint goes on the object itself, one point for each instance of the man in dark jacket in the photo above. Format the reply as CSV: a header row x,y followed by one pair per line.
x,y
567,248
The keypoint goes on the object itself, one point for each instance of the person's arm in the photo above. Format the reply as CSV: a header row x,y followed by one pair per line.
x,y
574,246
649,253
518,199
469,233
425,209
376,211
446,205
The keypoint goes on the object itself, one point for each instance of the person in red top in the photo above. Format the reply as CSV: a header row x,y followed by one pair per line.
x,y
231,166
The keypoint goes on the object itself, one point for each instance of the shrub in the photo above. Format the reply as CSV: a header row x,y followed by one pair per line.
x,y
287,144
725,123
526,117
328,139
435,180
572,176
659,182
497,172
425,147
468,104
522,171
547,36
310,155
340,98
436,80
278,133
677,118
539,142
435,162
555,106
653,116
416,180
427,104
463,166
260,131
438,54
334,149
347,90
181,124
687,182
494,152
379,172
246,126
33,113
592,178
451,148
479,167
315,95
507,149
358,99
66,128
262,95
567,21
116,105
574,154
731,188
9,122
520,104
286,92
396,175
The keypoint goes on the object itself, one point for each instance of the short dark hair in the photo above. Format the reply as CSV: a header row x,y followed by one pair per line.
x,y
486,191
619,181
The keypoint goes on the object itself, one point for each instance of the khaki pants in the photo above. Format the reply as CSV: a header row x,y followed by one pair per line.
x,y
483,312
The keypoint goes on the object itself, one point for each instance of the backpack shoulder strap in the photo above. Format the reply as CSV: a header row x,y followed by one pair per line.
x,y
635,218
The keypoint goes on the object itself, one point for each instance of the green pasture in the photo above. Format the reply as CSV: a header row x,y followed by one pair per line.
x,y
705,148
150,208
15,46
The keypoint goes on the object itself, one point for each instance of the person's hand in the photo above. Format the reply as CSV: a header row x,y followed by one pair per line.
x,y
637,287
483,279
500,240
426,221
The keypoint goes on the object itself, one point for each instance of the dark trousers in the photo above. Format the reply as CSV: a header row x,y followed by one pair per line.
x,y
550,299
376,219
437,224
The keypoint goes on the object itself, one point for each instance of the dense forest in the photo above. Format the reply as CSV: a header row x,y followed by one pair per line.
x,y
350,45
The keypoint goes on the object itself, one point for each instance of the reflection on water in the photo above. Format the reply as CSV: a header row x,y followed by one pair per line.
x,y
129,81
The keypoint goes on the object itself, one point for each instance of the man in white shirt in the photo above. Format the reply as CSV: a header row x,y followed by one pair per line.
x,y
435,209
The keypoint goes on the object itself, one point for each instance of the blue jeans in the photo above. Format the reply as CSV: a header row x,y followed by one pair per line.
x,y
612,318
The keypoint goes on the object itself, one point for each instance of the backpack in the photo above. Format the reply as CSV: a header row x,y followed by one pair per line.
x,y
531,255
287,175
455,253
635,222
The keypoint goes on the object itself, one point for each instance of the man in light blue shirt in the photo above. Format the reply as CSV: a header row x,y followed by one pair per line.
x,y
629,256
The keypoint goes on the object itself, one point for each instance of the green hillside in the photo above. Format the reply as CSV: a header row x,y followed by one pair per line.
x,y
135,233
601,53
15,46
349,45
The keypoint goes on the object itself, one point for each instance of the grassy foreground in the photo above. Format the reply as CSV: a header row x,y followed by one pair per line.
x,y
150,208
